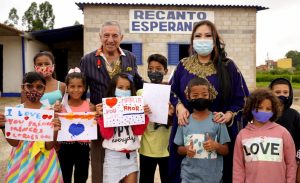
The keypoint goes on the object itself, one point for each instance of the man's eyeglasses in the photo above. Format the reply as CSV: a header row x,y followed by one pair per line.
x,y
30,87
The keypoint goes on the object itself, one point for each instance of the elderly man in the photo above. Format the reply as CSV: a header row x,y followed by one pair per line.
x,y
99,67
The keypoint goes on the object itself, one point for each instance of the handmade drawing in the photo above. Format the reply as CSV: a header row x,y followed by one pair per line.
x,y
123,111
77,126
29,124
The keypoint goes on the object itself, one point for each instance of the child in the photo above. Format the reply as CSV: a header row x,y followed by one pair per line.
x,y
44,64
290,118
75,153
264,151
44,166
155,140
202,141
120,161
2,122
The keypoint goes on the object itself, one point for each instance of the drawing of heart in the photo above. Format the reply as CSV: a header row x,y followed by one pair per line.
x,y
26,117
76,129
49,116
45,116
111,102
7,134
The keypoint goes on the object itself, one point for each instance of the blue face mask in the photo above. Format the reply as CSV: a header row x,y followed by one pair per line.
x,y
262,117
203,46
122,93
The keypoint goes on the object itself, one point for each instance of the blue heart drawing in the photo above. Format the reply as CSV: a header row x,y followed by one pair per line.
x,y
76,129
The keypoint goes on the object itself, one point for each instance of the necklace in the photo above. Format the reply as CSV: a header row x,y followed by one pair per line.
x,y
205,64
192,65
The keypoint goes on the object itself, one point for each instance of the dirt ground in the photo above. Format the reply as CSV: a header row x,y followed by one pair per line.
x,y
5,147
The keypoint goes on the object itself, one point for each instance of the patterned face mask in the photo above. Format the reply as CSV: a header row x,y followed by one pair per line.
x,y
46,71
33,96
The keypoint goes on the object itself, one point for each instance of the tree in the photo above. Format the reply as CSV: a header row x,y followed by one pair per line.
x,y
295,56
13,18
41,18
76,23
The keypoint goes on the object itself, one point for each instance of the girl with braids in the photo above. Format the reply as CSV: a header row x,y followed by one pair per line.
x,y
228,88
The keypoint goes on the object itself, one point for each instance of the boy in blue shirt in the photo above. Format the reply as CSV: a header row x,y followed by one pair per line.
x,y
202,141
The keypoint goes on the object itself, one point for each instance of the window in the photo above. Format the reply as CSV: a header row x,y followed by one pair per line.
x,y
136,49
176,52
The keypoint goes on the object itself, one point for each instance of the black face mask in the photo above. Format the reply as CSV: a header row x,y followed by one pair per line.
x,y
284,100
199,104
155,77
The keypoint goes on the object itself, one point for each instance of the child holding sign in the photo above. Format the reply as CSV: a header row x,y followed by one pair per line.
x,y
264,151
155,140
202,141
75,153
33,161
121,143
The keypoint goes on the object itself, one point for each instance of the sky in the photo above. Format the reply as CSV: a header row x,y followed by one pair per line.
x,y
278,28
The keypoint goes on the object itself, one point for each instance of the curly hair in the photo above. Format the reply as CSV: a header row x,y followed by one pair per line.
x,y
256,98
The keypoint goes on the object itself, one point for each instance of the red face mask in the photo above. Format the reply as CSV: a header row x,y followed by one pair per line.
x,y
46,71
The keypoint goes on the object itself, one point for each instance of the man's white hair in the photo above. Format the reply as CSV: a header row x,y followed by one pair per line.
x,y
111,23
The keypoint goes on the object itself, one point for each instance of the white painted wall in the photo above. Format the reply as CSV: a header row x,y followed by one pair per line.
x,y
32,47
12,63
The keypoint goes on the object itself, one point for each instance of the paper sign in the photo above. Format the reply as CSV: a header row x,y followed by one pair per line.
x,y
29,124
77,126
123,111
157,97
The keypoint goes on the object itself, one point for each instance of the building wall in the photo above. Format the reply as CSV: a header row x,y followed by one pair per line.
x,y
32,47
237,26
285,63
12,63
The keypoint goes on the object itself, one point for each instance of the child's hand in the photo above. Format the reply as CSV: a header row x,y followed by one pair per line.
x,y
171,109
210,144
56,124
147,109
190,151
99,110
92,107
57,106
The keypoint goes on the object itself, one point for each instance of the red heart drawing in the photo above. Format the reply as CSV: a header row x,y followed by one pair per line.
x,y
7,134
49,116
45,116
26,117
111,102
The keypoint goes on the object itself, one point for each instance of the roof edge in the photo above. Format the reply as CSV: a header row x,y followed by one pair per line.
x,y
258,8
11,28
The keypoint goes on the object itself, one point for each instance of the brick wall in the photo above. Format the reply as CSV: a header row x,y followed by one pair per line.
x,y
237,27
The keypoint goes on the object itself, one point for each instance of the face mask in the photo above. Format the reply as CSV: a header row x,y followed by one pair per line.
x,y
33,96
46,71
122,93
203,46
283,99
199,104
262,116
156,76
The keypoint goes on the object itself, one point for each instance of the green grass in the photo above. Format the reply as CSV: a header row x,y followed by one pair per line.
x,y
266,84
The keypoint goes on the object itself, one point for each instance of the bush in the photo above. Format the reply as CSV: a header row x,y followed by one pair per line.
x,y
269,77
